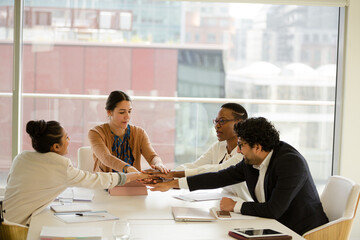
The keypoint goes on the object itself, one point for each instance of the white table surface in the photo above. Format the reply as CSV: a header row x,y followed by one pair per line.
x,y
150,217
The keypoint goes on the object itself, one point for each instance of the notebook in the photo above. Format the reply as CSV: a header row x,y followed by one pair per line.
x,y
187,214
81,217
57,233
80,194
130,189
70,208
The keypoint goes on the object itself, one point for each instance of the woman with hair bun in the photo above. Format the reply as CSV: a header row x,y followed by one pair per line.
x,y
118,145
37,177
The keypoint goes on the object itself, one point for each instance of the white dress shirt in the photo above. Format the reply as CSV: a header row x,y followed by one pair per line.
x,y
215,159
210,160
259,188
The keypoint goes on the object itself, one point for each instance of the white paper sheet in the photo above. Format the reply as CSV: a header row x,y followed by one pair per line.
x,y
93,233
87,217
70,208
201,196
81,194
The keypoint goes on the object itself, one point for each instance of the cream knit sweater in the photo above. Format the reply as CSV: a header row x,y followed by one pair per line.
x,y
36,179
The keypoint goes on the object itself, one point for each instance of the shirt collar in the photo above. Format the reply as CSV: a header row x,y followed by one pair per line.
x,y
234,151
264,163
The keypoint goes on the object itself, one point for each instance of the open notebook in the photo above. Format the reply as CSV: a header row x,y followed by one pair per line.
x,y
70,208
80,217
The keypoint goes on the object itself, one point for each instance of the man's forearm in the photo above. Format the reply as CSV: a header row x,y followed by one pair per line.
x,y
174,183
177,174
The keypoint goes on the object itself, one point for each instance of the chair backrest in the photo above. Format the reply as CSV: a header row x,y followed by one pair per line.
x,y
339,198
85,159
11,231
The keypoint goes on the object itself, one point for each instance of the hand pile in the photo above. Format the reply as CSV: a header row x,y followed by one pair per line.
x,y
159,181
154,176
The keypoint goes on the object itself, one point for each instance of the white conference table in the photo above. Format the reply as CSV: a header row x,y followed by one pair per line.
x,y
150,217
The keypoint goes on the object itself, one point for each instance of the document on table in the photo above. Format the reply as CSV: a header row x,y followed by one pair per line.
x,y
80,194
70,208
188,214
80,217
234,216
56,232
201,196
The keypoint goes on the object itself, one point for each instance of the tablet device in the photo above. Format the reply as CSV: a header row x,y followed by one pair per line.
x,y
264,233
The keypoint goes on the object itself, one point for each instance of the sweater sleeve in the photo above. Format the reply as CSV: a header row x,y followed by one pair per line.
x,y
214,167
98,180
101,151
145,147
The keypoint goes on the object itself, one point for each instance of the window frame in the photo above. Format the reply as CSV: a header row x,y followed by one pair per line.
x,y
17,95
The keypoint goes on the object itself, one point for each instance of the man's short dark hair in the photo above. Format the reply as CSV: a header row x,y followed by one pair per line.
x,y
258,131
239,112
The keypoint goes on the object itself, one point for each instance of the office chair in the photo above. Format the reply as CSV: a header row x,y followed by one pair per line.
x,y
340,201
85,159
11,231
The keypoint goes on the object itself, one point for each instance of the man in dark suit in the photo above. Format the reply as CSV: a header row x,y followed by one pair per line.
x,y
276,174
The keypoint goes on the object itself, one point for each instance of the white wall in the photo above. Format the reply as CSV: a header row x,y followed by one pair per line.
x,y
350,157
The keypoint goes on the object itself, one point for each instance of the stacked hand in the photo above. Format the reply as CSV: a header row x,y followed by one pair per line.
x,y
132,176
163,186
159,181
160,167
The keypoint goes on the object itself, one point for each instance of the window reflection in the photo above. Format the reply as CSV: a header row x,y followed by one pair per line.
x,y
181,49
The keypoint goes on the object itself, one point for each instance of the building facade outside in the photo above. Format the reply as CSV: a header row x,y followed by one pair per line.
x,y
176,49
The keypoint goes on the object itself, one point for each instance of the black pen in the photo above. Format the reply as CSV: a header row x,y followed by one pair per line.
x,y
88,215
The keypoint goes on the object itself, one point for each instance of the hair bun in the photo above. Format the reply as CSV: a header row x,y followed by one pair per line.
x,y
36,128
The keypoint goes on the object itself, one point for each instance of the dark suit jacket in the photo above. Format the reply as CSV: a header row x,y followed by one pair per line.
x,y
290,192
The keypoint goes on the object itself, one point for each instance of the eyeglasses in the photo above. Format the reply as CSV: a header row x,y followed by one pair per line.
x,y
222,121
240,145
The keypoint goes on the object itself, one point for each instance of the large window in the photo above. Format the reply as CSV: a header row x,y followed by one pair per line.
x,y
179,61
6,66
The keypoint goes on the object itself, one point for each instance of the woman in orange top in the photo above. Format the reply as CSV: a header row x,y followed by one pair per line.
x,y
118,145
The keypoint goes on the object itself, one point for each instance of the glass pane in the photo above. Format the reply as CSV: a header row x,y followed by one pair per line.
x,y
278,61
6,75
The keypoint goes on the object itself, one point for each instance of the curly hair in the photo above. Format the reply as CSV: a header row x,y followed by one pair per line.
x,y
258,131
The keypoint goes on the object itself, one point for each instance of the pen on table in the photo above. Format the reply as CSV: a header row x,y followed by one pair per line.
x,y
88,215
71,213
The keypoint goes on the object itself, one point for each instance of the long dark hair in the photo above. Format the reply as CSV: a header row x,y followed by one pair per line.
x,y
44,134
114,98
